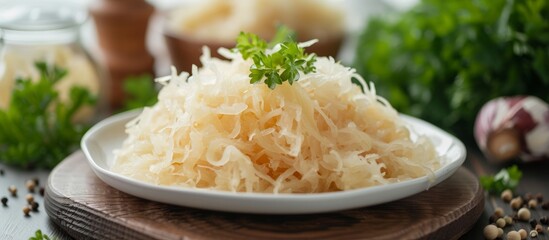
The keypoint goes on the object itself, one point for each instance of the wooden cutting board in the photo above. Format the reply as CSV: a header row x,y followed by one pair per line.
x,y
85,207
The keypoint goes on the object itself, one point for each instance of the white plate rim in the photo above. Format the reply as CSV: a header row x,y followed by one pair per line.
x,y
267,203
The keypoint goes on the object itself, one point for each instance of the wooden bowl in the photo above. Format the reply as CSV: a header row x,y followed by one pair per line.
x,y
185,51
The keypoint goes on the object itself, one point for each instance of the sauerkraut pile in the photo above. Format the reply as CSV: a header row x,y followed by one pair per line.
x,y
223,20
215,130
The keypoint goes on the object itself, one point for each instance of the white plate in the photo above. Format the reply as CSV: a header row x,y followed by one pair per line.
x,y
100,141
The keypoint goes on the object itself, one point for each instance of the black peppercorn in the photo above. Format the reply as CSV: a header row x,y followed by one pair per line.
x,y
492,219
1,172
533,223
545,205
544,220
528,196
515,216
41,191
5,201
36,181
35,206
539,197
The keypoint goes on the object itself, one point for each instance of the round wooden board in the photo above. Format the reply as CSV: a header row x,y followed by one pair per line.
x,y
85,207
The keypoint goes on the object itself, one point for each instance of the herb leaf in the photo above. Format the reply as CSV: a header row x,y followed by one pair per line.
x,y
36,129
249,44
278,67
140,91
282,33
505,179
38,235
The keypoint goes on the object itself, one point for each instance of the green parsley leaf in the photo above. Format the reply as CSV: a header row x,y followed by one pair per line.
x,y
140,91
285,65
282,33
508,178
249,44
38,235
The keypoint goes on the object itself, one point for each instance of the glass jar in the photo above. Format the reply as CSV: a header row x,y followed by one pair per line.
x,y
46,32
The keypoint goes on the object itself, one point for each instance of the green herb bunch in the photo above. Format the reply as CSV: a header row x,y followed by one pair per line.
x,y
507,178
443,60
278,67
36,129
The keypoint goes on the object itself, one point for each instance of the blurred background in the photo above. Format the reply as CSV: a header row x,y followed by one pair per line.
x,y
437,60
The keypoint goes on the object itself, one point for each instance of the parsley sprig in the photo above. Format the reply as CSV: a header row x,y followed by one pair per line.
x,y
277,67
507,178
36,129
38,235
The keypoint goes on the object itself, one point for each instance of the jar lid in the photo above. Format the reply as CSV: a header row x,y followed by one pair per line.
x,y
41,16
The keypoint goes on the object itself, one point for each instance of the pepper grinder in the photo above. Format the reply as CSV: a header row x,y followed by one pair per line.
x,y
122,31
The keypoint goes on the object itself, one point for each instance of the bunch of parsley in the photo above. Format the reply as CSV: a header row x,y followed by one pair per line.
x,y
36,129
442,60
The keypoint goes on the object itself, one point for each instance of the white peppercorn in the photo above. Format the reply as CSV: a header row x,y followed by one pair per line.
x,y
513,235
498,212
500,222
507,195
533,203
524,214
30,198
516,203
533,234
13,190
490,232
523,234
508,220
26,211
30,184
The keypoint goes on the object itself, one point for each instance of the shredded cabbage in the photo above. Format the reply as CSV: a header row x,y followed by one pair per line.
x,y
215,130
223,20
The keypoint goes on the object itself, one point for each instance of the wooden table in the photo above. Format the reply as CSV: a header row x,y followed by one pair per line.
x,y
13,224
